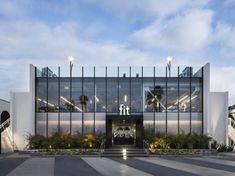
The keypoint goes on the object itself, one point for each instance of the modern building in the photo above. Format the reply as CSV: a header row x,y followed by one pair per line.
x,y
120,102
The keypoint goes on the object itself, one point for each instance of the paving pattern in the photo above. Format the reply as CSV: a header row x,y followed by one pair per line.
x,y
25,165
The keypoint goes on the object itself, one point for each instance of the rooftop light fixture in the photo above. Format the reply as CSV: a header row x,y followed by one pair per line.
x,y
169,60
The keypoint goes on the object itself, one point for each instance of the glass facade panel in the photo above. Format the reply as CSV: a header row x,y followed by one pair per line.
x,y
172,123
88,123
136,72
184,94
172,95
112,95
160,122
65,123
136,95
87,99
100,95
76,123
196,95
52,123
184,123
124,91
77,95
150,95
41,94
149,121
41,123
53,94
66,105
160,94
100,122
197,123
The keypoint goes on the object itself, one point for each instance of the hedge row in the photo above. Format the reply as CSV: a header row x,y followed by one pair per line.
x,y
65,141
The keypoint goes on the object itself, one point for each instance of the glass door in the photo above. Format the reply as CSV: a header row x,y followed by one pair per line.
x,y
123,132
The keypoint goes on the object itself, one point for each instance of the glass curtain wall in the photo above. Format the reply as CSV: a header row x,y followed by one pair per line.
x,y
79,105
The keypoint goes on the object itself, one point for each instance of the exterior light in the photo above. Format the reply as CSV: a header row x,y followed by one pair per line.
x,y
125,98
169,61
71,59
124,154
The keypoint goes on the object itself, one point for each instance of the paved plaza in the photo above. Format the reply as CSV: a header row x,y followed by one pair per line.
x,y
26,165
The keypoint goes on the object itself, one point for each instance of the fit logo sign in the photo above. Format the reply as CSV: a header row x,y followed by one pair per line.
x,y
124,110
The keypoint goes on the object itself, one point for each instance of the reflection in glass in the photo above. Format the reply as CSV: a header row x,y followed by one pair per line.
x,y
87,99
76,123
88,123
148,121
41,123
100,122
65,103
41,95
53,96
100,91
52,123
136,95
124,91
76,93
65,123
112,97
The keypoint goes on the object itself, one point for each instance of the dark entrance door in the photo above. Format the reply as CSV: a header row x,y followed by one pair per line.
x,y
124,130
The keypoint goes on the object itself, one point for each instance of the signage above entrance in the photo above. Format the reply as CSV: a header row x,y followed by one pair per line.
x,y
124,110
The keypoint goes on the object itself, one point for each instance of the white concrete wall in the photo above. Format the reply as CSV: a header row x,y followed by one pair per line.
x,y
23,121
219,116
206,100
22,113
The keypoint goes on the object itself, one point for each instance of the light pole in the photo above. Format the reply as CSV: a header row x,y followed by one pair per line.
x,y
169,61
71,60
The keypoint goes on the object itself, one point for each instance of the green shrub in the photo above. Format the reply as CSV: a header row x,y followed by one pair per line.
x,y
181,141
65,141
224,148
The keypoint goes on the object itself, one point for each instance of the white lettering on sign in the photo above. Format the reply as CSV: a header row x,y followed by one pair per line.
x,y
124,110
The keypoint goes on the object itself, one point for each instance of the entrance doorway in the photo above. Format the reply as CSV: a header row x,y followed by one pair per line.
x,y
124,130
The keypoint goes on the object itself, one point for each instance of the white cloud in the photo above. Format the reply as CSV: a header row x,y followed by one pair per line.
x,y
187,32
143,9
221,83
225,36
13,9
25,42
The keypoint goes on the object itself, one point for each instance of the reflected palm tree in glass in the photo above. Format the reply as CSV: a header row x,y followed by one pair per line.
x,y
83,101
154,97
70,105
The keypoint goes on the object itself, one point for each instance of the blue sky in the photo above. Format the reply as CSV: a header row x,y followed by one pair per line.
x,y
116,32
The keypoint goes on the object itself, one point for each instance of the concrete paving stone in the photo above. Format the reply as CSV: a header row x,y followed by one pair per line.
x,y
199,170
151,168
73,166
108,167
35,167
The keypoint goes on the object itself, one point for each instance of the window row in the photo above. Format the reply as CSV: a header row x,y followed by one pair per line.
x,y
107,94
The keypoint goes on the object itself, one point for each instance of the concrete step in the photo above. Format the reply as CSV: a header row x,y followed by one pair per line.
x,y
131,152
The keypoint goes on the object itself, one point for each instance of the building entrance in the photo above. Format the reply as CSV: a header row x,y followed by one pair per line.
x,y
124,130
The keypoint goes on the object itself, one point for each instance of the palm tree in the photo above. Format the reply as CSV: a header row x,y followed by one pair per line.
x,y
154,97
83,101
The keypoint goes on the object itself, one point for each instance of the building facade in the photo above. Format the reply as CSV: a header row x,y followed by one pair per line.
x,y
120,102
